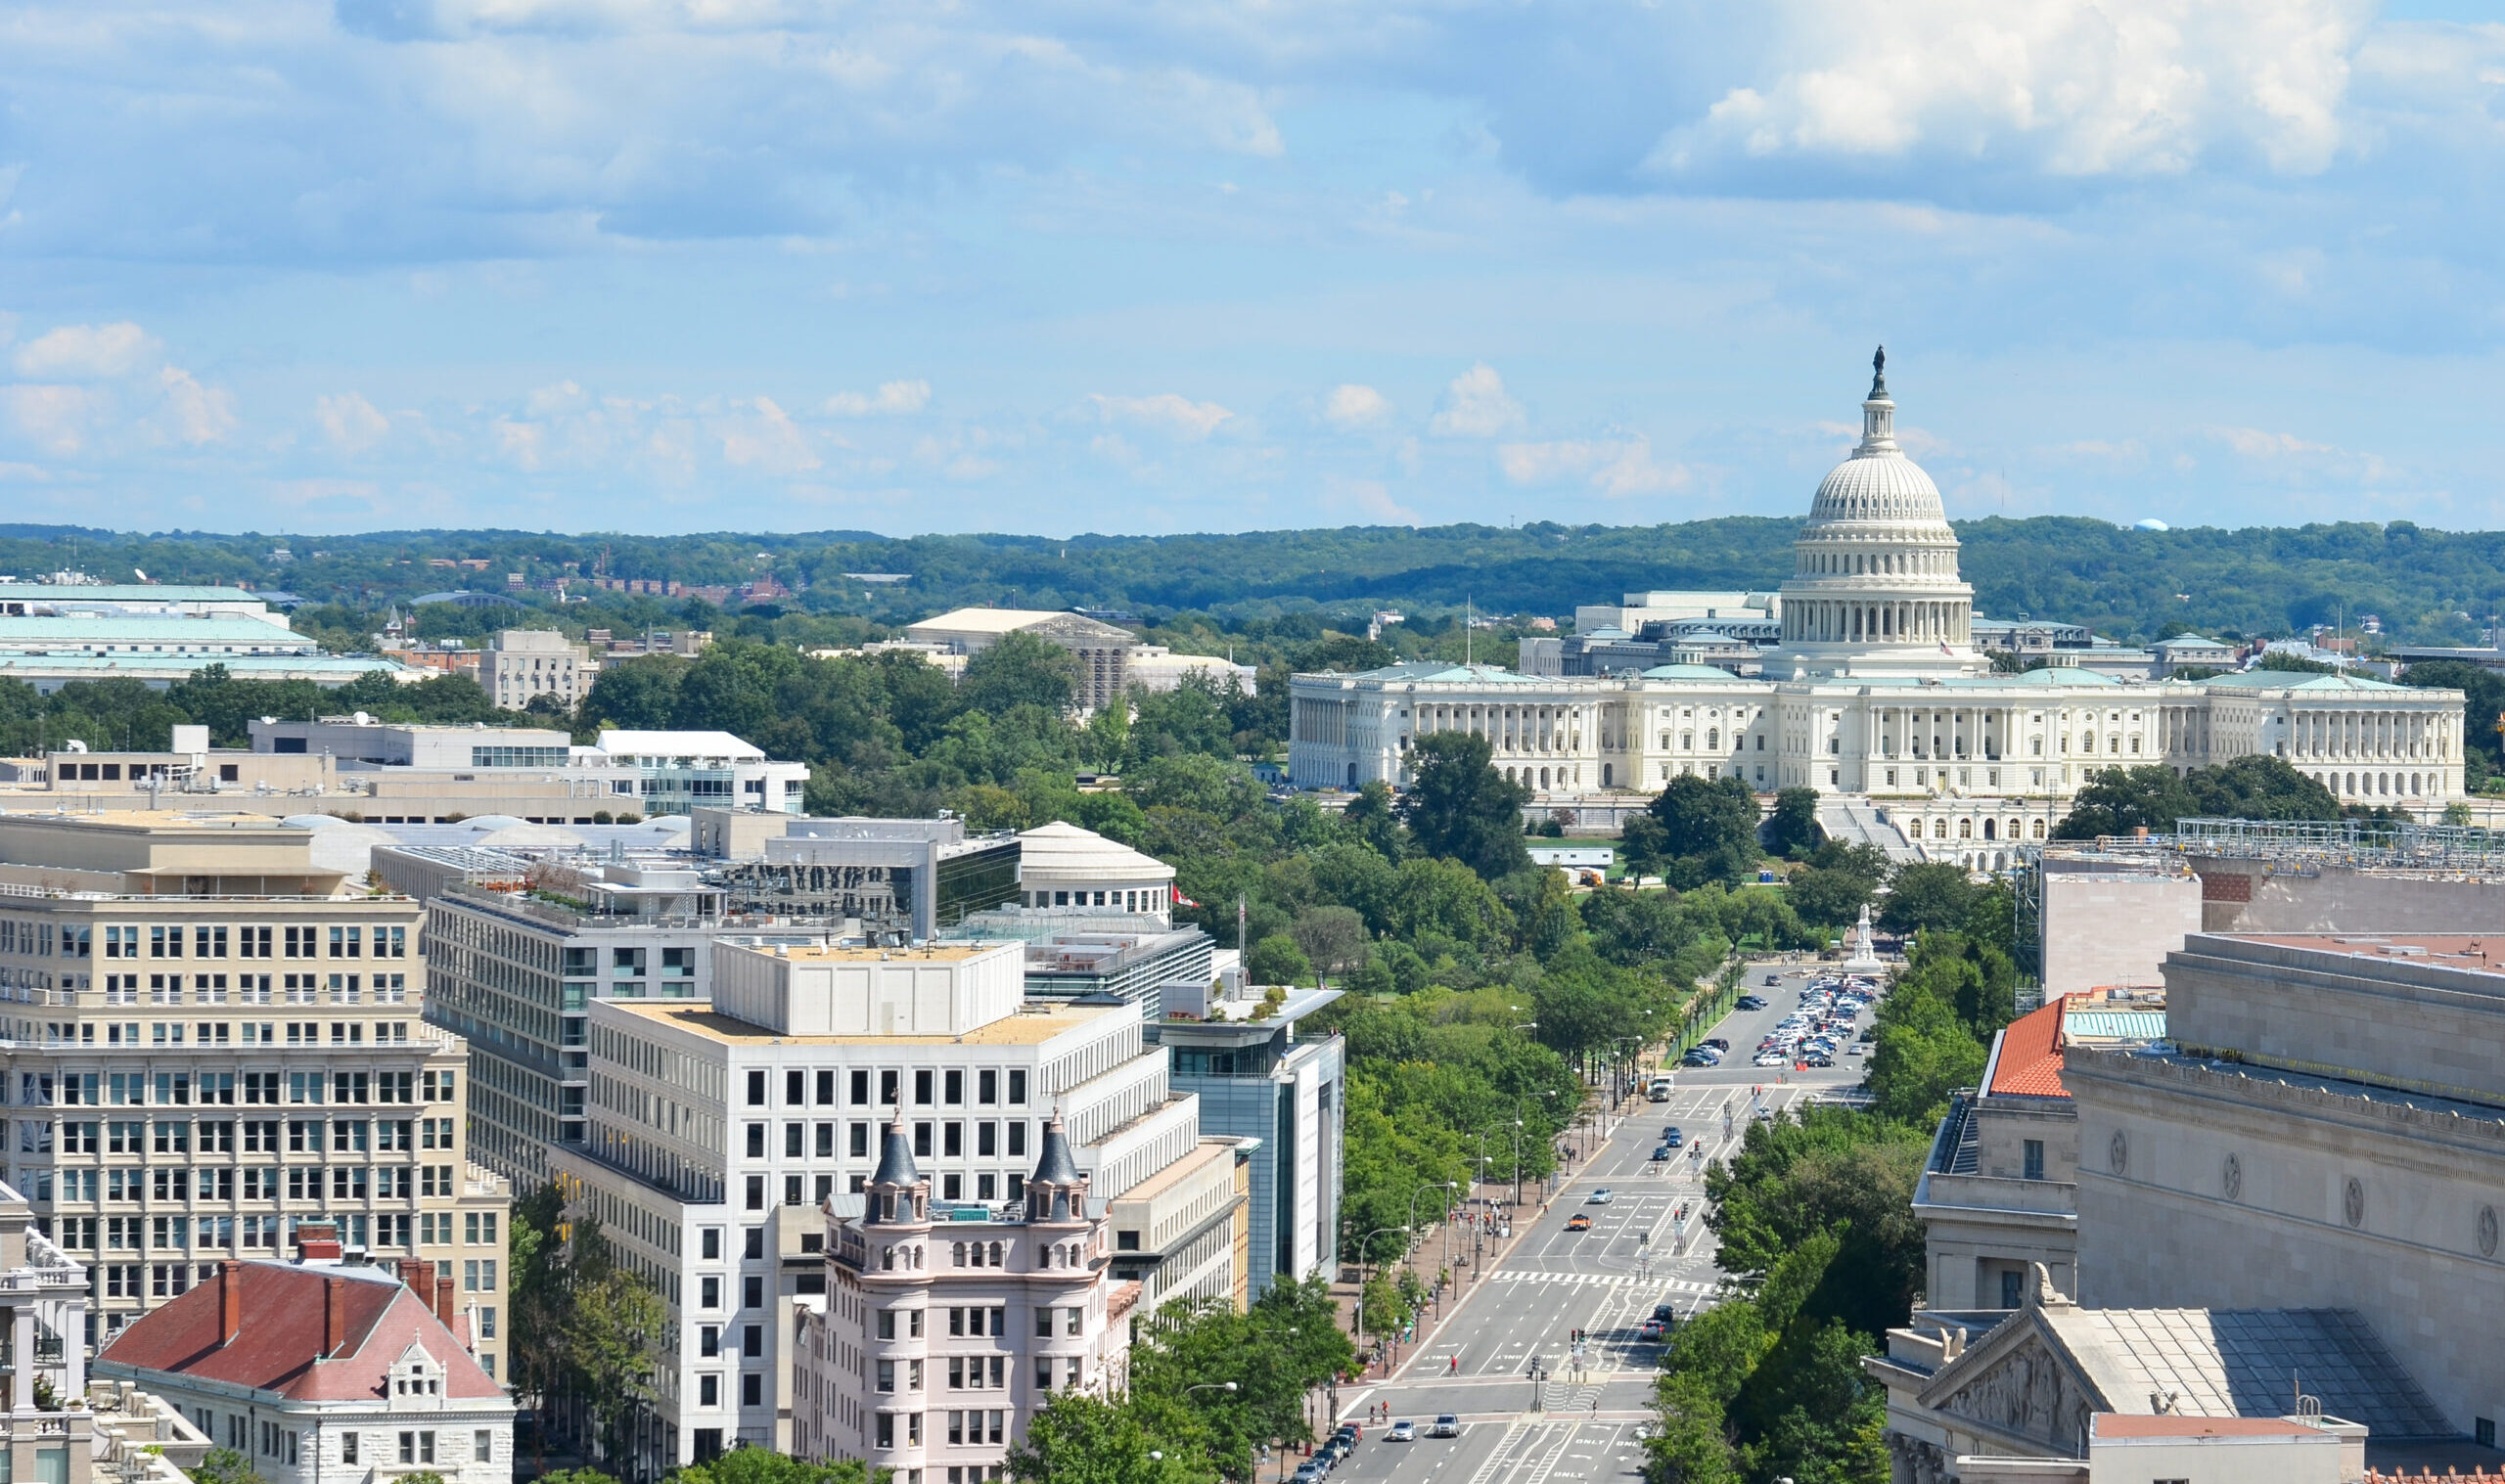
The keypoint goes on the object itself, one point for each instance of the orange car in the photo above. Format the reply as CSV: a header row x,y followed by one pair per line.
x,y
1578,1223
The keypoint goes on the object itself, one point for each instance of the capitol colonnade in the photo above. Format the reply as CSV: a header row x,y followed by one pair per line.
x,y
1872,693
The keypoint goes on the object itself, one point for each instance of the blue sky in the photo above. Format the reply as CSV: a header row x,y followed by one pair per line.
x,y
1057,267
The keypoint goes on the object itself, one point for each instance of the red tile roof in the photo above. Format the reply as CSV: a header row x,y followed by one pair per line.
x,y
284,1342
2027,1059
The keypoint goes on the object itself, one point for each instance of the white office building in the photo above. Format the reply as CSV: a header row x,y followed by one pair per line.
x,y
719,1128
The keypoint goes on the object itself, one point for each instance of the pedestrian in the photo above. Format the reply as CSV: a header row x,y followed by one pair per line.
x,y
1455,1368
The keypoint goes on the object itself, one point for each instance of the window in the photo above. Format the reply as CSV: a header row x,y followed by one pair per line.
x,y
482,1446
2035,1158
711,1243
756,1089
751,1390
2011,1289
347,1447
417,1447
1016,1089
708,1391
860,1089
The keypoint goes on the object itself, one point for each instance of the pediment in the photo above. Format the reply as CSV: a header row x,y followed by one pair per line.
x,y
2019,1381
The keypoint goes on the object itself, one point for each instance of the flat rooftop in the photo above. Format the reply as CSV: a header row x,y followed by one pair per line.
x,y
131,821
1022,1029
2480,952
2126,1424
938,952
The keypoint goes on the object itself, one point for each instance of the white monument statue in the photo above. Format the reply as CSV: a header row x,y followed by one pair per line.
x,y
1864,957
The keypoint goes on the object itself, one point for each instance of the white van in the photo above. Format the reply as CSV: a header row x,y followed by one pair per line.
x,y
1659,1090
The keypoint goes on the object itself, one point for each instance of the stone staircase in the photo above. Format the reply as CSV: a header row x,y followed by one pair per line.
x,y
1856,822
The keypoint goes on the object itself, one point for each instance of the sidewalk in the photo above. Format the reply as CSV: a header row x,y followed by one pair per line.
x,y
1426,1258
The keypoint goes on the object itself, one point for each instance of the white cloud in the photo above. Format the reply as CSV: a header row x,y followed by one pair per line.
x,y
764,436
55,419
1371,497
350,422
2257,443
891,399
1168,411
1615,467
87,352
2060,87
1354,406
201,414
1477,406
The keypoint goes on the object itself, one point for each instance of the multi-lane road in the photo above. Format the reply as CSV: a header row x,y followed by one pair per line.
x,y
1581,1421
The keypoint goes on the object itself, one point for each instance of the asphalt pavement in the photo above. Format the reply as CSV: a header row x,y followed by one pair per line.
x,y
1582,1419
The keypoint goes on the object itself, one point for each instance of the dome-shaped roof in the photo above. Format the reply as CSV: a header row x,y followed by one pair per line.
x,y
528,835
1877,487
1063,851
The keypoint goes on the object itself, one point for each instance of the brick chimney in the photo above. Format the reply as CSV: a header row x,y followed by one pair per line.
x,y
230,1301
335,1315
419,1275
444,1307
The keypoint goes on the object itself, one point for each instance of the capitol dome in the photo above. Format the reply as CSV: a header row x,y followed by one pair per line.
x,y
1874,586
1877,486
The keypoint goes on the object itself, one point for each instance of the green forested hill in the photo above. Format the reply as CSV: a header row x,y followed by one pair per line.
x,y
2129,584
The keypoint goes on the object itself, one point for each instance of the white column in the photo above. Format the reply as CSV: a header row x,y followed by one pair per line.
x,y
21,1336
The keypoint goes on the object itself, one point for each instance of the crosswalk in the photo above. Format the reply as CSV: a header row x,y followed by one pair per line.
x,y
1606,1279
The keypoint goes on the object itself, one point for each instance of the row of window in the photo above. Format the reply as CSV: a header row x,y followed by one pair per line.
x,y
183,1089
817,1141
217,1136
258,989
929,1087
989,1185
219,1183
161,941
169,1033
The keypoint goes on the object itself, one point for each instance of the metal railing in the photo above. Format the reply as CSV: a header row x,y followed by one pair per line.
x,y
2360,844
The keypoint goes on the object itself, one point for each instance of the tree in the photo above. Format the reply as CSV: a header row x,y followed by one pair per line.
x,y
1076,1438
2120,800
537,1283
1829,897
2259,788
1460,808
1276,959
1926,894
225,1465
763,1465
1374,814
1708,829
1792,827
611,1336
1107,738
1331,939
1019,670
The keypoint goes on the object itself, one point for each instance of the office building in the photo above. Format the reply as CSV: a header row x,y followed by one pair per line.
x,y
43,1302
323,1369
718,1131
905,879
1283,1096
942,1327
55,633
1131,964
678,771
213,1039
1872,690
523,665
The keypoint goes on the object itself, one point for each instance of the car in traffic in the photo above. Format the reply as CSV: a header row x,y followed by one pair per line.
x,y
1600,1197
1653,1330
1578,1222
1674,1137
1660,1153
1446,1425
1749,1002
1402,1431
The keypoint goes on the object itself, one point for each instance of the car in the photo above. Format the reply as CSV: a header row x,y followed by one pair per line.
x,y
1700,1058
1653,1330
1447,1426
1660,1153
1773,979
1600,1197
1402,1431
1717,1043
1666,1311
1578,1222
1311,1471
1749,1002
1350,1433
1766,1114
1820,1061
1770,1059
1674,1139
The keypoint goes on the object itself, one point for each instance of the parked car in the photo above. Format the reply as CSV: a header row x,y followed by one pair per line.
x,y
1402,1431
1578,1222
1311,1471
1447,1426
1717,1043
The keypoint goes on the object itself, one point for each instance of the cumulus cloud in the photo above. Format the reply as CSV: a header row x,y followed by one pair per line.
x,y
1167,412
350,422
1477,406
1375,499
198,414
1615,467
2062,87
763,435
1353,406
87,352
891,399
55,419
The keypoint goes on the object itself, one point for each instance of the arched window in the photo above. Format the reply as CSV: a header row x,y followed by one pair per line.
x,y
1965,829
1940,830
1988,833
2039,830
1714,738
957,1254
887,1258
995,1254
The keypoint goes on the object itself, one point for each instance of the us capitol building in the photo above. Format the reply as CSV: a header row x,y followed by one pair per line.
x,y
1874,695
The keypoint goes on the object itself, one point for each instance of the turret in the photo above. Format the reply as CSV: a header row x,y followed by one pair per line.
x,y
1057,1191
897,1192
